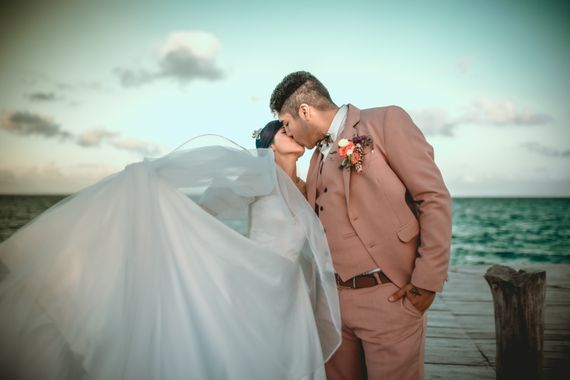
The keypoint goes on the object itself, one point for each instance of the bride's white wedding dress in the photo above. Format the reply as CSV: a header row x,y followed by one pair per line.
x,y
145,275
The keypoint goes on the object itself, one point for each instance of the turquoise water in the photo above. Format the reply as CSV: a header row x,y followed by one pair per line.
x,y
507,230
485,230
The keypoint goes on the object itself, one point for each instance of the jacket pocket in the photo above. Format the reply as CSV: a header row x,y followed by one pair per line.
x,y
408,231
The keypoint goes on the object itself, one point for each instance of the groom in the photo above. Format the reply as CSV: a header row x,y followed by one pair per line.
x,y
386,212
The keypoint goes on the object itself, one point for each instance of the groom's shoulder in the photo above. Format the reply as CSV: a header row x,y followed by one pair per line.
x,y
382,110
377,115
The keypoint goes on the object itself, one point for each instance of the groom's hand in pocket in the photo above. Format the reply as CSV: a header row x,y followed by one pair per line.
x,y
420,298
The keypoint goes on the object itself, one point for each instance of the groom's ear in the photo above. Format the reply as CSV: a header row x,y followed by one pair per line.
x,y
305,111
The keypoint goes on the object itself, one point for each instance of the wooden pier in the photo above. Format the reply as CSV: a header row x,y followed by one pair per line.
x,y
461,326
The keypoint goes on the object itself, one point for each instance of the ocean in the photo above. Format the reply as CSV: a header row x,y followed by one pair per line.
x,y
485,230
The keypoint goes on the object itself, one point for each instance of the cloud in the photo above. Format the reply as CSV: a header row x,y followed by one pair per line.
x,y
43,97
144,148
481,111
133,78
7,176
59,91
80,85
51,178
26,123
190,55
184,56
67,85
94,137
499,113
493,187
434,121
545,150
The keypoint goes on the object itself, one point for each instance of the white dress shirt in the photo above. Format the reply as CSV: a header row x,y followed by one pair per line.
x,y
335,128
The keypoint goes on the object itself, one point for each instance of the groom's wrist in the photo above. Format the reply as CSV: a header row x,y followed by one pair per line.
x,y
426,282
419,291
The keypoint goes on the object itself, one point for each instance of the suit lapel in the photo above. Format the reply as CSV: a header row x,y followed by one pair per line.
x,y
312,177
352,118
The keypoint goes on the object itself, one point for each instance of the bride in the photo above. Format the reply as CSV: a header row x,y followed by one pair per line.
x,y
206,263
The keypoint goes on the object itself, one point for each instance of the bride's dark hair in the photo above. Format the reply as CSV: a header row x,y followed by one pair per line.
x,y
267,134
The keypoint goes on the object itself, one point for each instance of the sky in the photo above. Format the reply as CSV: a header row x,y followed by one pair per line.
x,y
88,87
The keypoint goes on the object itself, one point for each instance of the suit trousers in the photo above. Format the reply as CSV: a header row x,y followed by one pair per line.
x,y
381,340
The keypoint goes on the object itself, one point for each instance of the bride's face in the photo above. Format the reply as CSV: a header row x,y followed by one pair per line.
x,y
283,144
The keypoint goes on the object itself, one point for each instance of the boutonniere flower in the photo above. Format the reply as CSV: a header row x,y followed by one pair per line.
x,y
351,152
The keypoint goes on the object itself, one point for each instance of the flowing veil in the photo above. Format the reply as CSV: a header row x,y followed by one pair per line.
x,y
206,263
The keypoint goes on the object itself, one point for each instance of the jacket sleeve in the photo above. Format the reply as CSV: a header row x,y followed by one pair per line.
x,y
411,157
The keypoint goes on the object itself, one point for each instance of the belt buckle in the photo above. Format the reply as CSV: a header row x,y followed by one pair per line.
x,y
338,283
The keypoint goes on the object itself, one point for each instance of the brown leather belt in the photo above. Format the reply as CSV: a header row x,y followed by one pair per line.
x,y
363,280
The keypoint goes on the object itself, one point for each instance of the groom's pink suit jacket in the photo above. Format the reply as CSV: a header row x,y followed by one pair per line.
x,y
396,214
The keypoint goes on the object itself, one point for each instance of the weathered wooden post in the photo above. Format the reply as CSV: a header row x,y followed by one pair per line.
x,y
518,299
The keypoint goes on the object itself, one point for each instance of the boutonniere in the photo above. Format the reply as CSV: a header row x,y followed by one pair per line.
x,y
351,151
325,141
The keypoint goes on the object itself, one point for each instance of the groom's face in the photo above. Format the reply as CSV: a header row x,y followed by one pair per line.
x,y
297,128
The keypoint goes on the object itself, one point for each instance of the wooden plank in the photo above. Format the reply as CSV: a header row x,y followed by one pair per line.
x,y
448,333
465,352
463,372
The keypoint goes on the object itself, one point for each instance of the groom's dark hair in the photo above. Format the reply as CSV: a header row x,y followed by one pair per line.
x,y
298,88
